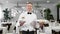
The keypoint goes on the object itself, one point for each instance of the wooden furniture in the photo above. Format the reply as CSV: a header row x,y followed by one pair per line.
x,y
34,32
56,30
4,24
3,30
7,24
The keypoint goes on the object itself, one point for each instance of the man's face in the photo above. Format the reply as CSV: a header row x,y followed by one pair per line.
x,y
29,7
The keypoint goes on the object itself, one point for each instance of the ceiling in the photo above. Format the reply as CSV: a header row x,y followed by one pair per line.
x,y
24,1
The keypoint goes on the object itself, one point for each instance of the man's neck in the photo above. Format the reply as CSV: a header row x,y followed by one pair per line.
x,y
30,11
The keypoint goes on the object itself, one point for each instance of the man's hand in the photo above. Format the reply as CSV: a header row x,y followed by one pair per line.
x,y
21,23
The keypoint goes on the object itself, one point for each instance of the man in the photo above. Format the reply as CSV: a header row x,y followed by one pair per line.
x,y
27,20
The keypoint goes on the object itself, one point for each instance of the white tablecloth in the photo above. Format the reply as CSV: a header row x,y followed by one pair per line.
x,y
4,29
47,30
56,28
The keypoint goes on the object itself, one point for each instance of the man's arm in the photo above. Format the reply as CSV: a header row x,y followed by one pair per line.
x,y
36,24
18,24
19,20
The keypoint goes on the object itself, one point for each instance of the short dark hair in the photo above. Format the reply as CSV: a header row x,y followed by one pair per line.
x,y
28,3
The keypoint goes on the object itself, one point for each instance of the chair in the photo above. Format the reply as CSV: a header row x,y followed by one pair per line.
x,y
1,31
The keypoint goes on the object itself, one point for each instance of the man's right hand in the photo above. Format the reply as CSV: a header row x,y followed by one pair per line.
x,y
21,23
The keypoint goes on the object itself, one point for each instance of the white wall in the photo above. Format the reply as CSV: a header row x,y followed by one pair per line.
x,y
1,13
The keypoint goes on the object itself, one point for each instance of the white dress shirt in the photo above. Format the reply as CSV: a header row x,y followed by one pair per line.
x,y
29,21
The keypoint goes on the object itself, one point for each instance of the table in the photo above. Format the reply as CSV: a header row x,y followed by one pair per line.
x,y
3,30
56,30
4,24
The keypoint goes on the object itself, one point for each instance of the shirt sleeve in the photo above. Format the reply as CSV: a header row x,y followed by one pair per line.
x,y
19,19
35,21
37,24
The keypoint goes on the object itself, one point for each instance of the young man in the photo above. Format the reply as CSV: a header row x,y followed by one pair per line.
x,y
27,21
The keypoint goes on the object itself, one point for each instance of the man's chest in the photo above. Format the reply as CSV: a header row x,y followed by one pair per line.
x,y
29,17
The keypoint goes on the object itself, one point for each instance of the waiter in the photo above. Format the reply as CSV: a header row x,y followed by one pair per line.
x,y
26,21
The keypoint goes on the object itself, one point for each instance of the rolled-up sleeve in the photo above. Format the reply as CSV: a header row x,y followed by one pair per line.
x,y
37,24
18,24
19,19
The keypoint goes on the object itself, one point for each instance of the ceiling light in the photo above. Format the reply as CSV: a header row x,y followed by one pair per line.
x,y
44,8
48,1
23,7
7,1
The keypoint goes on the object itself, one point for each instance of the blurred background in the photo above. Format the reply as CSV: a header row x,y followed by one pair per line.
x,y
18,6
44,9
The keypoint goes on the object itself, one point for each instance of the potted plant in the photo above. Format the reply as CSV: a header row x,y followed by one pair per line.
x,y
6,15
58,5
48,15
